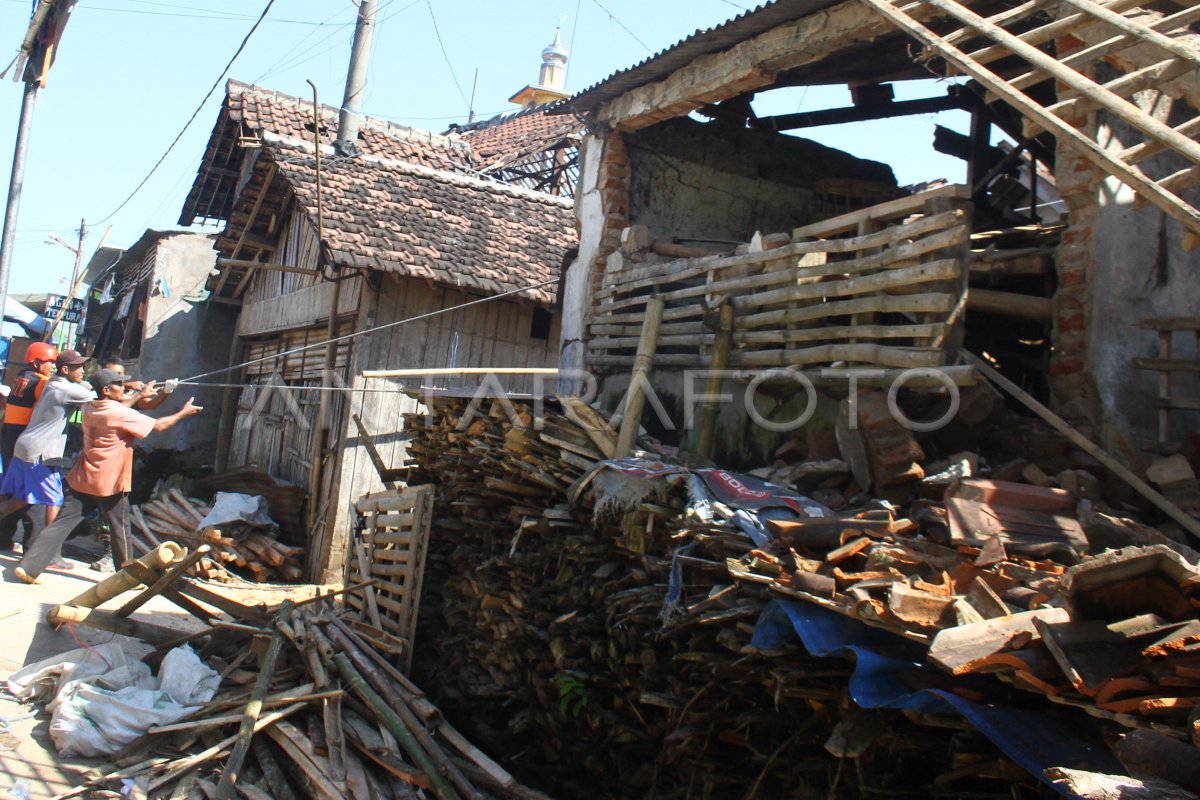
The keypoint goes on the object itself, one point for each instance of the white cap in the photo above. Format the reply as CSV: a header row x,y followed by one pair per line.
x,y
4,390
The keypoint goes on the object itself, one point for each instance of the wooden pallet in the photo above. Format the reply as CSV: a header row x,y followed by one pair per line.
x,y
1152,48
868,288
393,544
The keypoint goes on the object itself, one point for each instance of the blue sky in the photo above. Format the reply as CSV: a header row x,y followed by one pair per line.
x,y
131,72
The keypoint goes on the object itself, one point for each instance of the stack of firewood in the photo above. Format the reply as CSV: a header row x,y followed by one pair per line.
x,y
591,642
174,517
550,628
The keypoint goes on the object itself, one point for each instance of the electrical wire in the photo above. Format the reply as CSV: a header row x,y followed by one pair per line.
x,y
574,28
446,56
356,334
278,66
195,114
622,25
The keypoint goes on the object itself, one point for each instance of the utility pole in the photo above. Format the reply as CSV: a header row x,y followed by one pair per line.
x,y
78,251
356,79
33,61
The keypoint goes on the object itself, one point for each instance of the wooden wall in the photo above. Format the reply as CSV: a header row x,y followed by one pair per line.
x,y
491,334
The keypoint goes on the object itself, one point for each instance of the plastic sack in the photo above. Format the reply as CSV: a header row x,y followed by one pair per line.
x,y
100,716
238,515
40,682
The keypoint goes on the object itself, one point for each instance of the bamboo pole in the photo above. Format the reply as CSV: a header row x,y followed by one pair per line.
x,y
1188,522
708,414
390,720
421,373
233,765
122,581
166,580
387,691
642,364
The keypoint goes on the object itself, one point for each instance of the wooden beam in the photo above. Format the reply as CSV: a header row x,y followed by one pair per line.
x,y
258,201
1010,304
1185,520
420,373
838,116
237,263
1166,201
746,66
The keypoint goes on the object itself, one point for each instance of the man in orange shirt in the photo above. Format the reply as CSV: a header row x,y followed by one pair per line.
x,y
102,476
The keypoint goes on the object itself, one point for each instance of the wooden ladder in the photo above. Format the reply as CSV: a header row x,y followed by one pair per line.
x,y
1163,53
1169,362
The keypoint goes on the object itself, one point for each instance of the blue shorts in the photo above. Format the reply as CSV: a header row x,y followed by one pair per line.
x,y
36,484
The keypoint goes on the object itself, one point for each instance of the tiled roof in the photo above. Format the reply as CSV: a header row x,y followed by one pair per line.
x,y
396,216
264,110
511,137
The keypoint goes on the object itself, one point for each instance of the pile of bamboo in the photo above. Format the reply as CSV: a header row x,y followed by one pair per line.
x,y
309,706
174,517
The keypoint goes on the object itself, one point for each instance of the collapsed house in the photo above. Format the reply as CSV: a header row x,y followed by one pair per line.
x,y
1099,104
404,229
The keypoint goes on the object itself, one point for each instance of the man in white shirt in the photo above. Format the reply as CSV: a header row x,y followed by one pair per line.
x,y
33,476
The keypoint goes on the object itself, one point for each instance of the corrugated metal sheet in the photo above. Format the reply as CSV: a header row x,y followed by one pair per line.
x,y
703,42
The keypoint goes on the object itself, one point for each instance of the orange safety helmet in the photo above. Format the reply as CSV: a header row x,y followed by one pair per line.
x,y
40,351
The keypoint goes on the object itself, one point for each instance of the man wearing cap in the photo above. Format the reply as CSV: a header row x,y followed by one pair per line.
x,y
33,476
102,476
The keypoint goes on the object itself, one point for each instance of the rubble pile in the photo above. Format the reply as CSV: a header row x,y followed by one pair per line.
x,y
601,623
252,555
298,700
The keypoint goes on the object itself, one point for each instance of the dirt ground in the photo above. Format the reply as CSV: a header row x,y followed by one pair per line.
x,y
26,752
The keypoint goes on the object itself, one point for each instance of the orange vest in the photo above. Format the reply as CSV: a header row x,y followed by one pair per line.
x,y
25,392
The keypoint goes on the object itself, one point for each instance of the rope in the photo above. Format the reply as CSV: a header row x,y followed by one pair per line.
x,y
348,336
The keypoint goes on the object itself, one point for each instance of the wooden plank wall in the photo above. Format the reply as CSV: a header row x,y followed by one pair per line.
x,y
880,287
494,334
273,438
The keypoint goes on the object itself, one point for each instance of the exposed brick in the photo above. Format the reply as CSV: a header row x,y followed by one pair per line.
x,y
1066,366
1066,323
1072,278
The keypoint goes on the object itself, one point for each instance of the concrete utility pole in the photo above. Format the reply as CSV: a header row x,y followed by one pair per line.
x,y
356,79
33,61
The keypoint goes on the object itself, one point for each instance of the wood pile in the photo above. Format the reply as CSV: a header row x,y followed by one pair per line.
x,y
549,632
331,719
257,557
309,706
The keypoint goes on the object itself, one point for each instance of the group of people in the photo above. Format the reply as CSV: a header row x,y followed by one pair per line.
x,y
34,445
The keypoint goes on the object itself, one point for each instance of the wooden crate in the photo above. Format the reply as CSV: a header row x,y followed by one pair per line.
x,y
393,542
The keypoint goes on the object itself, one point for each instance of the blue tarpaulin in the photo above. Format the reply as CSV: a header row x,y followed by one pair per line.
x,y
1034,740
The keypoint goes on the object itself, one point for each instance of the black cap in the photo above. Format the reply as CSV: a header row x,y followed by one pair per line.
x,y
106,377
71,358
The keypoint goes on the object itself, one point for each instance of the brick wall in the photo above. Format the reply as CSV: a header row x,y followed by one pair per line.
x,y
1073,391
613,182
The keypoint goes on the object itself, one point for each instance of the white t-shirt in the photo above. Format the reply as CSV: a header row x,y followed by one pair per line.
x,y
45,436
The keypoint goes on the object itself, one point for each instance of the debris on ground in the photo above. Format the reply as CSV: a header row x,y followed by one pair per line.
x,y
668,630
247,548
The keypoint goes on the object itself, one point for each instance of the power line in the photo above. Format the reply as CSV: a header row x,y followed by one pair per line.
x,y
195,113
276,67
622,25
230,17
446,56
356,334
574,28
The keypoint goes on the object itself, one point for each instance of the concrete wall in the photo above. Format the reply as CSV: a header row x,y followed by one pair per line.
x,y
182,339
716,181
1120,264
